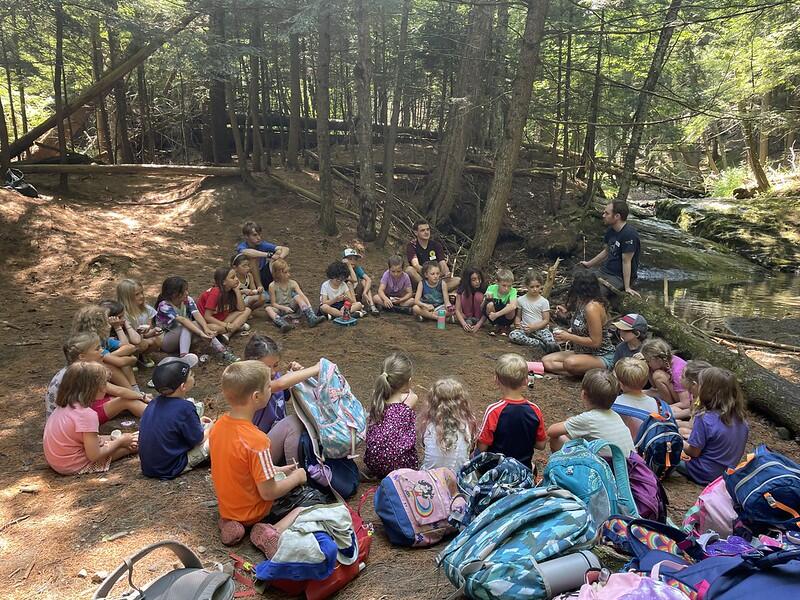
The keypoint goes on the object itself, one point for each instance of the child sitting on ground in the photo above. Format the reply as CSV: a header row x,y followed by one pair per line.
x,y
222,306
284,430
395,291
533,317
254,296
72,443
260,253
335,291
447,426
391,441
720,431
632,330
500,301
513,426
173,438
432,294
633,405
361,282
691,381
85,347
178,316
286,298
666,370
245,479
115,355
469,300
140,315
598,392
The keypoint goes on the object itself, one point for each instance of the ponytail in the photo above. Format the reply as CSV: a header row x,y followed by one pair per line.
x,y
396,372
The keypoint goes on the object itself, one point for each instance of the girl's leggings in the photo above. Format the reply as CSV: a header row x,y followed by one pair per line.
x,y
542,338
284,440
177,339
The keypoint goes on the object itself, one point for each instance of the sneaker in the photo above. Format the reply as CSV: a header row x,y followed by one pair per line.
x,y
224,338
316,320
373,310
420,318
146,362
245,327
228,357
360,314
150,384
266,538
406,310
230,532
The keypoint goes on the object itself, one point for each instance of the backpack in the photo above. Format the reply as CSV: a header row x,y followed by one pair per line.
x,y
766,490
713,511
190,582
649,542
15,180
659,441
414,506
488,477
627,586
338,474
577,467
332,415
497,555
760,573
648,493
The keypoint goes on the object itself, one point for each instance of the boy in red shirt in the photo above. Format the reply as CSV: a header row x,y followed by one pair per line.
x,y
512,426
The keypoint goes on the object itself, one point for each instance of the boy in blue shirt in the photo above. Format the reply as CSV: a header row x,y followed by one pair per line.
x,y
362,283
176,438
260,253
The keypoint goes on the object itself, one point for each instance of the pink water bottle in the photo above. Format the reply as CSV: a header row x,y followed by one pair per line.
x,y
440,318
346,311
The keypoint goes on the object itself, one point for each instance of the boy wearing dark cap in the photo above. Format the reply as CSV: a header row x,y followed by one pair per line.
x,y
176,438
633,331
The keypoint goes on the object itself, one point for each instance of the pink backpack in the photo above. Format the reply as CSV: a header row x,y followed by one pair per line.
x,y
414,505
629,586
713,511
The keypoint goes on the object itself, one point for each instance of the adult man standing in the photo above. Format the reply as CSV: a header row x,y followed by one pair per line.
x,y
423,249
620,256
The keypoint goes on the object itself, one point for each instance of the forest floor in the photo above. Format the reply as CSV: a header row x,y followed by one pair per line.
x,y
60,252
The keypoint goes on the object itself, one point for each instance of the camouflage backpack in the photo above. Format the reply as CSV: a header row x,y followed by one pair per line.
x,y
497,555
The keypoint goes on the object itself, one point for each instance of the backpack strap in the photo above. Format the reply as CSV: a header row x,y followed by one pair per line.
x,y
198,585
664,409
184,553
619,463
629,411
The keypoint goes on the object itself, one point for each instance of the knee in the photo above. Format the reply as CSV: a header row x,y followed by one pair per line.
x,y
659,377
573,366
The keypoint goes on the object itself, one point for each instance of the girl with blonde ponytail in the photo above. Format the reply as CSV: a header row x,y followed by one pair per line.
x,y
391,434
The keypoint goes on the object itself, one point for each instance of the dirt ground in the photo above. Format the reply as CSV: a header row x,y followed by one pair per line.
x,y
58,253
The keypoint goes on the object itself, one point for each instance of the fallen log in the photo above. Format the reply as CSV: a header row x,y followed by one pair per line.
x,y
766,392
755,342
419,169
37,169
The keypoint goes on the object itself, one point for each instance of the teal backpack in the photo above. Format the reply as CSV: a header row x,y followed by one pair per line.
x,y
577,467
497,556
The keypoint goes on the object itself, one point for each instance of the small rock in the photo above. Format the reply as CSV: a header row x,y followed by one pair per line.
x,y
783,433
99,576
83,574
29,489
209,503
201,549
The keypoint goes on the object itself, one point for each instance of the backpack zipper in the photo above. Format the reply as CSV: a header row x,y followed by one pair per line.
x,y
660,435
763,483
758,470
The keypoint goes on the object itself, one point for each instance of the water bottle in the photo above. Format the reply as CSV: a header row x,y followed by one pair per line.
x,y
440,318
346,311
531,379
567,573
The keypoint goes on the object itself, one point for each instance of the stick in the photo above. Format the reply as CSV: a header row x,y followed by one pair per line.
x,y
755,342
551,278
666,293
24,344
14,522
28,572
12,326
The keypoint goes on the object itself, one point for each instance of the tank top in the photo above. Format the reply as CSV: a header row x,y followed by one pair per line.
x,y
284,295
581,327
392,443
432,295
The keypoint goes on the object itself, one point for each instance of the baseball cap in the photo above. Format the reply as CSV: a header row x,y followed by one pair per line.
x,y
348,252
172,372
632,322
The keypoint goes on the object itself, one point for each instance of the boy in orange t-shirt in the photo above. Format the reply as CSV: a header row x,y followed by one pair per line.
x,y
245,480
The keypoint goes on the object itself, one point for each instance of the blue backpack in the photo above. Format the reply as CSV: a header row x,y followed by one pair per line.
x,y
485,479
766,490
496,557
659,441
761,573
339,474
578,468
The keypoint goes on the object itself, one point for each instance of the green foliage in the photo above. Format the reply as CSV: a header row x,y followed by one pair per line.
x,y
722,185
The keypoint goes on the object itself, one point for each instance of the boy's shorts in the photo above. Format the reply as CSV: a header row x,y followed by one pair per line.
x,y
197,456
336,305
98,406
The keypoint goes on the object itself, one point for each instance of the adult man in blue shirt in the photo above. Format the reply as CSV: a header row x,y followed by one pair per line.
x,y
620,255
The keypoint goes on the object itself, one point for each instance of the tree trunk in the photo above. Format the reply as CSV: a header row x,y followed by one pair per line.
x,y
327,209
9,84
500,188
709,149
763,130
120,93
63,182
218,114
5,159
590,142
363,80
241,154
562,190
500,76
752,150
551,185
101,113
643,103
390,139
294,102
23,109
148,136
253,96
445,182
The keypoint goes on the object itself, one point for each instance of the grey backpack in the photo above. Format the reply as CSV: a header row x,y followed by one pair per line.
x,y
192,582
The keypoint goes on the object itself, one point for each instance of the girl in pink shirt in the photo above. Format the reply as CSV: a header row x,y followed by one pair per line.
x,y
469,300
72,444
666,372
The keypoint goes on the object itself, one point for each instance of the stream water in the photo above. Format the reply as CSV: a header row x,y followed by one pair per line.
x,y
707,283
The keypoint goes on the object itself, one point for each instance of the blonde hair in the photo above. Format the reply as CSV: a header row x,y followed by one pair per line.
x,y
81,384
92,318
242,379
447,408
601,387
279,267
126,292
511,370
656,348
79,343
720,392
692,370
632,372
505,275
396,372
